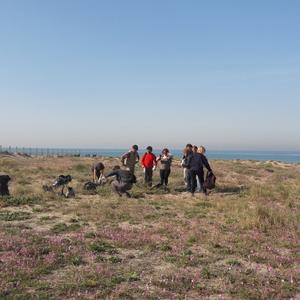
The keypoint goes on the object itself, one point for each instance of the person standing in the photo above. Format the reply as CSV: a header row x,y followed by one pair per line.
x,y
165,160
202,151
195,163
130,158
148,163
198,186
186,152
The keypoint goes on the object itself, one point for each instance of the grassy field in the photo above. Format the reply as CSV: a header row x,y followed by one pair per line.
x,y
240,242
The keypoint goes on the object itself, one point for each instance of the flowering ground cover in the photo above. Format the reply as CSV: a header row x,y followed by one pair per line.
x,y
240,242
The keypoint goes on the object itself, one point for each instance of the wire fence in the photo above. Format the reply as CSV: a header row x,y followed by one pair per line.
x,y
60,152
283,156
28,151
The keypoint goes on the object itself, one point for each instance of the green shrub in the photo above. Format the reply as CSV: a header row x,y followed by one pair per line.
x,y
62,227
102,247
18,200
15,216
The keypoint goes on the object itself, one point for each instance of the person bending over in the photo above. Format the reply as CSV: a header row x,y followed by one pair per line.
x,y
165,160
98,172
148,163
124,181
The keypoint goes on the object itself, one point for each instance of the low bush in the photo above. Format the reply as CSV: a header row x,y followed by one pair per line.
x,y
14,216
18,200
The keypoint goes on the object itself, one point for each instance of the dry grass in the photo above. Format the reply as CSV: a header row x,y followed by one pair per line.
x,y
242,242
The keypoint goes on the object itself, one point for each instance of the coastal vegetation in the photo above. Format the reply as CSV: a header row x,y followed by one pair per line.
x,y
240,242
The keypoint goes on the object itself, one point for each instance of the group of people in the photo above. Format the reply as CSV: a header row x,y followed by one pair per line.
x,y
193,161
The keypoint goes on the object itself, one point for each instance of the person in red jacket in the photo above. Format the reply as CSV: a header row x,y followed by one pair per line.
x,y
148,163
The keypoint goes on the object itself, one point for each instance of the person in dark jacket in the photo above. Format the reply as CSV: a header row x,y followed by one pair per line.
x,y
194,163
148,163
202,151
186,151
198,187
124,181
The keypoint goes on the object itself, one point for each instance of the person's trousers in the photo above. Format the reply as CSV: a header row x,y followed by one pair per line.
x,y
185,175
164,176
148,176
121,187
131,169
192,180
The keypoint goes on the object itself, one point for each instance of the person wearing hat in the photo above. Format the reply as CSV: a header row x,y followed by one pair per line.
x,y
130,158
148,163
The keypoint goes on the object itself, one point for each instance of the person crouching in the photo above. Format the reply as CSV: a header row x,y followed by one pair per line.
x,y
124,181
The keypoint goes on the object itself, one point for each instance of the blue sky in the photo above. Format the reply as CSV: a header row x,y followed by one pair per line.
x,y
225,74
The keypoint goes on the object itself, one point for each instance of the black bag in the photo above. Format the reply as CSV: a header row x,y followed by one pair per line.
x,y
90,186
4,179
62,180
210,180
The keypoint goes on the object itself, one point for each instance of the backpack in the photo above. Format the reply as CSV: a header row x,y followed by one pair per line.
x,y
90,186
210,180
4,179
62,180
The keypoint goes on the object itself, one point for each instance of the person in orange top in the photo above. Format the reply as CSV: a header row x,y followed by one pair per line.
x,y
148,163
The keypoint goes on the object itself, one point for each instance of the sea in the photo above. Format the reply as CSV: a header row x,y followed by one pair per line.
x,y
282,156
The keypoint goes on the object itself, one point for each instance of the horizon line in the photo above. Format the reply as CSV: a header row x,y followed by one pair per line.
x,y
154,148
